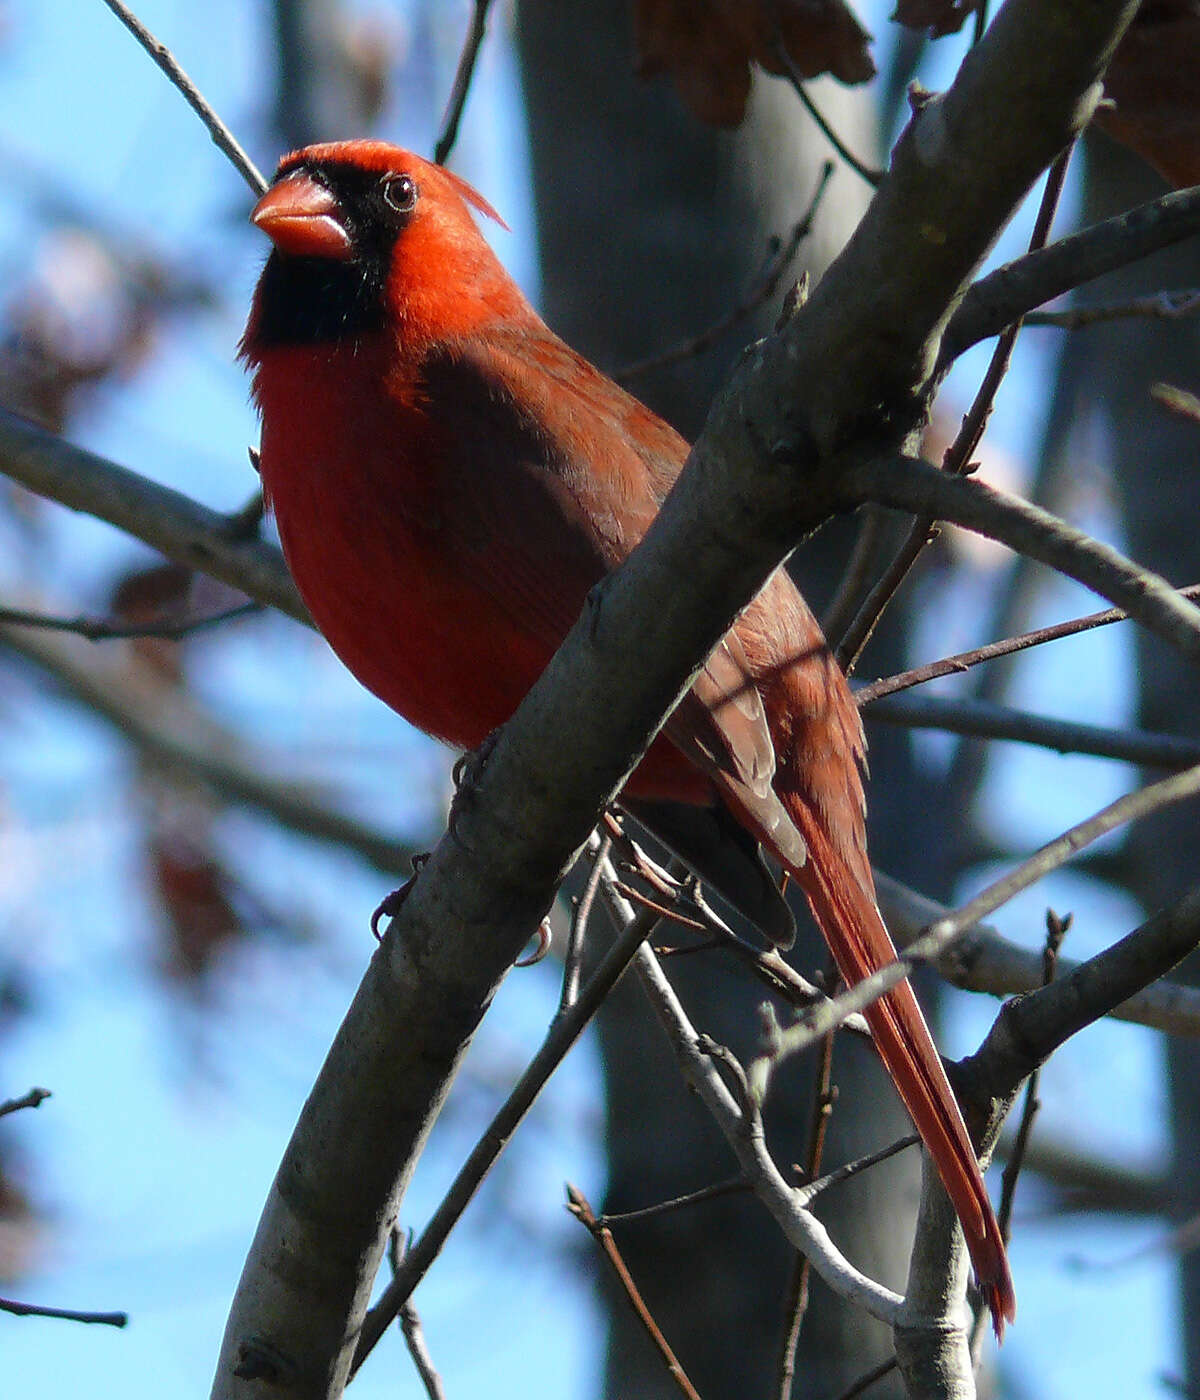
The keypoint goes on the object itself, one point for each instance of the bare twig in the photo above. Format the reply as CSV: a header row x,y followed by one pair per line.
x,y
784,1202
186,737
868,1379
97,629
1056,931
869,173
573,956
577,1204
103,1319
982,719
462,81
860,167
1029,1029
874,526
778,262
167,520
796,1301
964,660
410,1325
812,1189
692,1198
564,1032
222,137
1159,306
32,1099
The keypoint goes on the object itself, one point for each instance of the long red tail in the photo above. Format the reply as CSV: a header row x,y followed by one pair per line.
x,y
860,944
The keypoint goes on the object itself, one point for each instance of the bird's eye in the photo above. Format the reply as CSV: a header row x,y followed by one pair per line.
x,y
400,193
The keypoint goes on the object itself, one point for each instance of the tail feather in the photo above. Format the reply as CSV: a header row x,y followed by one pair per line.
x,y
860,944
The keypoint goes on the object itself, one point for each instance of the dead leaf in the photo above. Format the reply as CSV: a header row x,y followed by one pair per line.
x,y
708,46
1153,84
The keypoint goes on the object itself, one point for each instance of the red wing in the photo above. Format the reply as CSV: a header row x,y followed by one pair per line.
x,y
553,474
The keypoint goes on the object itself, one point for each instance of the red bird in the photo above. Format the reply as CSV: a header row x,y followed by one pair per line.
x,y
450,479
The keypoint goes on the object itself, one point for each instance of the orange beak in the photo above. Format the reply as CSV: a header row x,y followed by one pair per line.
x,y
304,219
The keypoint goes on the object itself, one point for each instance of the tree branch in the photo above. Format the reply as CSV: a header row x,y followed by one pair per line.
x,y
166,520
177,732
1029,282
913,485
983,719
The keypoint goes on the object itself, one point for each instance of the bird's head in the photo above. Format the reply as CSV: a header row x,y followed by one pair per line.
x,y
370,238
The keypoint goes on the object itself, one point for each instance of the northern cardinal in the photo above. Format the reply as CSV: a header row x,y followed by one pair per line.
x,y
450,479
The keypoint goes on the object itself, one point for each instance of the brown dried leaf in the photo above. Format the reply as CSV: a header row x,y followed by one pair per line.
x,y
707,46
1154,82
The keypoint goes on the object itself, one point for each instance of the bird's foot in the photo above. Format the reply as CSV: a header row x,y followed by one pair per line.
x,y
391,905
465,775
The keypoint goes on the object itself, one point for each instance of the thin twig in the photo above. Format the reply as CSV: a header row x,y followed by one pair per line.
x,y
983,961
97,629
1056,931
861,568
844,1173
664,911
868,172
746,1138
692,1198
1160,306
33,1099
860,167
796,1301
964,660
103,1319
410,1324
957,460
563,1033
868,1379
779,260
576,936
222,137
577,1204
462,82
983,719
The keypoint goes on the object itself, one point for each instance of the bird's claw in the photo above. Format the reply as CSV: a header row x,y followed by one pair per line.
x,y
468,769
545,938
391,904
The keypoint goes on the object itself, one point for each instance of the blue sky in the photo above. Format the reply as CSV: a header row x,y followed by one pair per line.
x,y
154,1156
